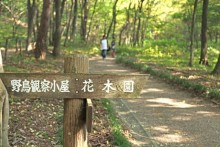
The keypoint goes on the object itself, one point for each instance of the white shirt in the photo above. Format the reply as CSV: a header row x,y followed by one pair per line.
x,y
104,44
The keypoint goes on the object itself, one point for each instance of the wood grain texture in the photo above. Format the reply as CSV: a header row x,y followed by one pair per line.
x,y
75,134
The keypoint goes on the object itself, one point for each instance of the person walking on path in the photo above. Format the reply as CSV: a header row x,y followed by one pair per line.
x,y
104,46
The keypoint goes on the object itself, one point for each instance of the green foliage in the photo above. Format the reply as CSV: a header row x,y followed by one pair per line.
x,y
81,47
117,129
11,68
214,93
59,134
131,60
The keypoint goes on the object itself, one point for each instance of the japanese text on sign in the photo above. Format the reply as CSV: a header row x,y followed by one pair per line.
x,y
28,86
39,86
128,86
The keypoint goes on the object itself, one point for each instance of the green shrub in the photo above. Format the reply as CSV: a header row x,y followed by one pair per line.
x,y
187,84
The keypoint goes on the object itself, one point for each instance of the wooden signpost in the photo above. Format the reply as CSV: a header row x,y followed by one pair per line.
x,y
66,85
74,86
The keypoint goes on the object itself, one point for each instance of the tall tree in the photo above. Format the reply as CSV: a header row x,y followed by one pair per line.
x,y
192,33
69,22
216,70
113,22
75,14
134,25
41,44
204,44
91,19
31,7
59,7
84,19
126,25
137,36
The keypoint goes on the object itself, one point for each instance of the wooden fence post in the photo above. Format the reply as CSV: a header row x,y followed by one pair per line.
x,y
75,133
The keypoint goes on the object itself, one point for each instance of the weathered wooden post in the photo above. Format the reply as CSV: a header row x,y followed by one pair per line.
x,y
74,109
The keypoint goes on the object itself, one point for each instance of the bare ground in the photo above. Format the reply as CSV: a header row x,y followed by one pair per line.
x,y
166,115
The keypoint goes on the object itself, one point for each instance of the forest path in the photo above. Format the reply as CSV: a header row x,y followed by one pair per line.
x,y
166,116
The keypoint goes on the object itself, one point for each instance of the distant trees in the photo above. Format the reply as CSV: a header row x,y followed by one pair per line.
x,y
59,7
204,39
84,19
41,43
113,21
192,33
130,22
31,7
216,70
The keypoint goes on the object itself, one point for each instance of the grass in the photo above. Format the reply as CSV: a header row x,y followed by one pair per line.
x,y
140,60
119,138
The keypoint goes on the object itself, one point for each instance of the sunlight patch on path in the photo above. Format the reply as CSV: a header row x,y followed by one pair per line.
x,y
172,103
171,138
208,114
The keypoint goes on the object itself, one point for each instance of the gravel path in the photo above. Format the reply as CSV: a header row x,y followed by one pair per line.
x,y
166,116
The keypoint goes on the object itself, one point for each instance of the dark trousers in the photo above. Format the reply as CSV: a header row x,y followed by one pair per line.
x,y
104,53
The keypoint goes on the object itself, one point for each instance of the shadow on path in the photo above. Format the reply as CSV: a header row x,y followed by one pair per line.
x,y
164,115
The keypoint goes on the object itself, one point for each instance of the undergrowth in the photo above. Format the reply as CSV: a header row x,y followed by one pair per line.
x,y
186,84
119,138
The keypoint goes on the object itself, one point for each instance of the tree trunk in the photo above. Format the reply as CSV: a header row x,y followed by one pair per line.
x,y
51,29
69,22
125,26
91,20
137,36
204,48
143,31
134,27
113,22
31,14
192,34
41,44
57,34
84,17
216,70
114,18
37,23
75,11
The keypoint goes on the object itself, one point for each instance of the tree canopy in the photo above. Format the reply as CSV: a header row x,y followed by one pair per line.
x,y
130,22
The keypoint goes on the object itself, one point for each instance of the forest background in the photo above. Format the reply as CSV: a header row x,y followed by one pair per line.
x,y
182,34
169,28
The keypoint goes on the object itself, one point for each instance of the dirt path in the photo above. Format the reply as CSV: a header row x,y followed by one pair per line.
x,y
166,116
